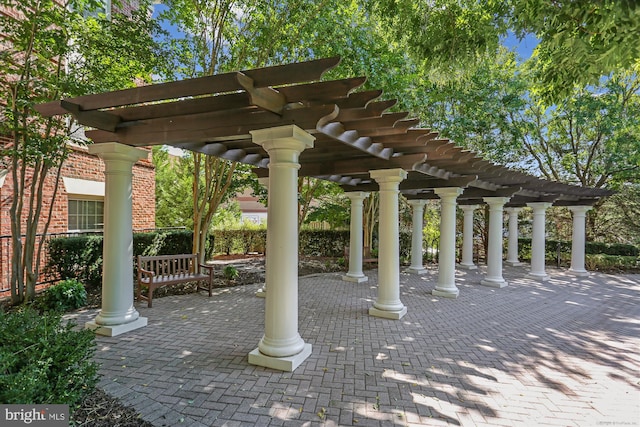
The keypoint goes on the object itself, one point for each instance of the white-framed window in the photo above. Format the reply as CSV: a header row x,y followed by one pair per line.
x,y
85,214
85,210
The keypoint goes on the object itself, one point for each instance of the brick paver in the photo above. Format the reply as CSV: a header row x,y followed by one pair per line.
x,y
559,353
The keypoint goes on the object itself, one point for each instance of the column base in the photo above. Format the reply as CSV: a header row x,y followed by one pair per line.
x,y
286,364
387,314
355,279
538,276
580,273
113,330
494,283
446,293
261,293
417,270
468,266
513,263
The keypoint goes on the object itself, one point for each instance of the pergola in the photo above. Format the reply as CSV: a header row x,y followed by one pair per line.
x,y
287,123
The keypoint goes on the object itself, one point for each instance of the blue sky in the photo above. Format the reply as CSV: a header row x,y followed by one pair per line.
x,y
523,47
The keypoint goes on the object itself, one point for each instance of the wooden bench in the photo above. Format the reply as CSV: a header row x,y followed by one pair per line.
x,y
157,271
366,256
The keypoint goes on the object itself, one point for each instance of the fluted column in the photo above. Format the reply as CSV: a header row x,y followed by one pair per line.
x,y
117,315
494,256
446,286
512,245
538,241
388,304
578,240
467,237
355,238
417,266
262,291
281,347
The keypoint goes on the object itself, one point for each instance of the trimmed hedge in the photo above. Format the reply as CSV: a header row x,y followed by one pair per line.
x,y
604,262
80,257
591,248
319,243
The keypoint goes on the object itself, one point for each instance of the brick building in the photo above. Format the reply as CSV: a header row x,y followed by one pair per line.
x,y
79,203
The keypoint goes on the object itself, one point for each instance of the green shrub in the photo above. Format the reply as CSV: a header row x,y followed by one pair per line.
x,y
43,360
328,243
64,296
80,257
230,272
604,262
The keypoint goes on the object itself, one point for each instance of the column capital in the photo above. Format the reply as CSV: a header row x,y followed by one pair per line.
x,y
388,175
496,201
357,195
448,191
117,151
283,137
468,208
539,205
417,202
511,210
580,210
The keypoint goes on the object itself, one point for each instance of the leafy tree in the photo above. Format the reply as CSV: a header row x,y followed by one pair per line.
x,y
221,35
578,41
50,52
173,182
589,139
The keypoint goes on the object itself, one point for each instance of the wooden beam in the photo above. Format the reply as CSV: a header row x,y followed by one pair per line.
x,y
219,83
264,97
209,127
400,126
322,92
348,166
97,119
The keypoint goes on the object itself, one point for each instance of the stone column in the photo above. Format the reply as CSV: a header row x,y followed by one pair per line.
x,y
355,238
538,241
388,304
118,315
417,266
494,256
262,291
281,347
578,240
512,248
467,237
446,286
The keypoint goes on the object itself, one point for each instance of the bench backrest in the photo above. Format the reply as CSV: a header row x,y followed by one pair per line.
x,y
169,265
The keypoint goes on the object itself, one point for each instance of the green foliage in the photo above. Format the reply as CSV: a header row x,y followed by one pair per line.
x,y
80,257
56,50
44,360
323,242
604,262
230,272
579,42
242,240
174,201
66,295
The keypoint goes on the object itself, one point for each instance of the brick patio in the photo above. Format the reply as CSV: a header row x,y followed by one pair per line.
x,y
560,353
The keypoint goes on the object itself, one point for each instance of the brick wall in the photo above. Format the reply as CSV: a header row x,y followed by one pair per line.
x,y
79,165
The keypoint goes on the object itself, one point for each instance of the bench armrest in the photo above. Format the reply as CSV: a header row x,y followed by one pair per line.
x,y
208,267
142,271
